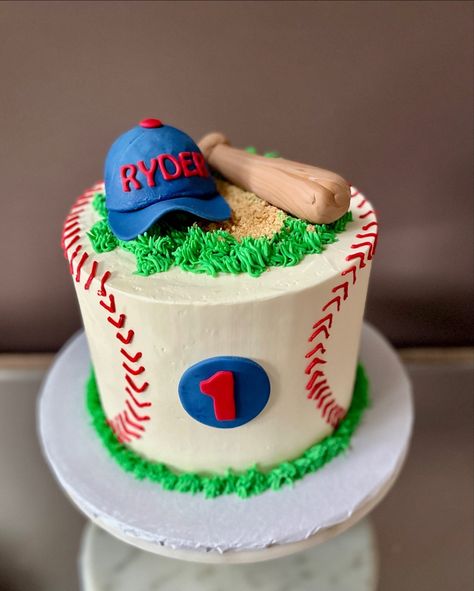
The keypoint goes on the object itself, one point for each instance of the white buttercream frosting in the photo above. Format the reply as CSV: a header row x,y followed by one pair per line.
x,y
179,318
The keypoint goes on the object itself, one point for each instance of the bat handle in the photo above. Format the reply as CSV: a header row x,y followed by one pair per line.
x,y
305,191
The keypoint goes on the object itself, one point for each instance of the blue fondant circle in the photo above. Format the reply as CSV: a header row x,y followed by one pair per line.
x,y
251,390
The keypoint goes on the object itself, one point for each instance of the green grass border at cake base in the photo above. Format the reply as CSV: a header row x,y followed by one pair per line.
x,y
244,484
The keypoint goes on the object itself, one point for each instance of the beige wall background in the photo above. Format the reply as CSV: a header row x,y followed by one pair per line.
x,y
380,92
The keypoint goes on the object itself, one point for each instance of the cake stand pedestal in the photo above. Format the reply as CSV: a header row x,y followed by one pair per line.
x,y
345,563
227,529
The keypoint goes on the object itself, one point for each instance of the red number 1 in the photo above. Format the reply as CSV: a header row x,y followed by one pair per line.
x,y
220,387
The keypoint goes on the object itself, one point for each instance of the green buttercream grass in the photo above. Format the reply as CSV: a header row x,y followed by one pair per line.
x,y
244,484
178,242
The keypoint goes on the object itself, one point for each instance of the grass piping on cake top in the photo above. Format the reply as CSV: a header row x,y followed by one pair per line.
x,y
178,241
245,484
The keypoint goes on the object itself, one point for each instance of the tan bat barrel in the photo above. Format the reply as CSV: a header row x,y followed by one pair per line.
x,y
314,194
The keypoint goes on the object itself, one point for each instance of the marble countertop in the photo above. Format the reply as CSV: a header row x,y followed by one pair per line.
x,y
423,528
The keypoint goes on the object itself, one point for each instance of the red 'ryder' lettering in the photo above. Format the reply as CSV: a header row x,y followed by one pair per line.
x,y
171,167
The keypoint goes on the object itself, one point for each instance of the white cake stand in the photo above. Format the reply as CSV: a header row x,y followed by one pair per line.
x,y
227,529
346,563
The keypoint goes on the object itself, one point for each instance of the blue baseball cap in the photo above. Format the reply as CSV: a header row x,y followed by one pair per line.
x,y
154,169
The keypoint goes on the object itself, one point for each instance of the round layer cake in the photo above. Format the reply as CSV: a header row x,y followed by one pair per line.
x,y
208,362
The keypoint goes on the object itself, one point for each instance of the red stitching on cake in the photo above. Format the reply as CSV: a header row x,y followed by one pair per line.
x,y
320,391
318,387
133,372
115,423
344,286
131,423
323,328
126,429
135,414
352,270
314,362
73,241
122,422
370,254
314,376
137,389
357,255
368,226
323,389
125,340
132,358
70,218
336,300
327,318
87,284
73,256
327,406
72,233
322,398
110,307
319,347
84,258
137,402
102,291
71,224
117,323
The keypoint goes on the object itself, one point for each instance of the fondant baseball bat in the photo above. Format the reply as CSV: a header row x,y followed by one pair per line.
x,y
305,191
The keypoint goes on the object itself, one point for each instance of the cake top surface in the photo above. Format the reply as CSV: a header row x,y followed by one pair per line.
x,y
169,204
155,275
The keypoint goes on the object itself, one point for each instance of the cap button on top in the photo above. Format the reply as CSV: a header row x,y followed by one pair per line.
x,y
150,123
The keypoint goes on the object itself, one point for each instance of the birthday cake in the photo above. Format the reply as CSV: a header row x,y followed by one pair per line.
x,y
222,294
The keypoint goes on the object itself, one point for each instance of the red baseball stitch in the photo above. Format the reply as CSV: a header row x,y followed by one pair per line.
x,y
314,376
133,372
314,362
320,391
317,386
131,358
352,270
69,225
344,286
110,307
102,291
73,241
368,226
131,423
323,328
135,414
319,347
327,318
126,429
336,300
125,340
73,256
87,284
357,255
137,389
117,323
137,402
370,254
122,422
84,258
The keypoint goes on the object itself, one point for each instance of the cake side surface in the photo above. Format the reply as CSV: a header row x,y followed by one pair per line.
x,y
301,324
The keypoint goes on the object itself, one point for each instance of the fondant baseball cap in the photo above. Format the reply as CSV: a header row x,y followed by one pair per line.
x,y
154,169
